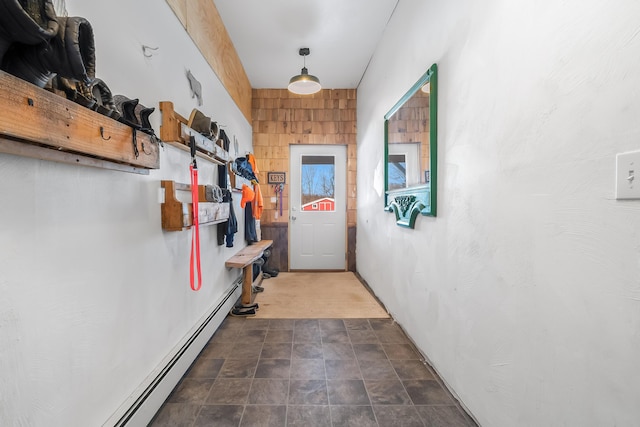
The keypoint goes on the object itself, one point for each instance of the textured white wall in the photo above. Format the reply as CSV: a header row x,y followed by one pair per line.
x,y
524,292
93,293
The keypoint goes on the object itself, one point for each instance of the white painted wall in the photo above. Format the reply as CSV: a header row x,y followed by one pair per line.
x,y
524,292
93,293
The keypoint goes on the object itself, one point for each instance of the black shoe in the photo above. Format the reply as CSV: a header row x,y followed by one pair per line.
x,y
247,306
243,312
273,272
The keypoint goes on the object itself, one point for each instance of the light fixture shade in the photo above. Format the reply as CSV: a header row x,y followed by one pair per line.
x,y
304,83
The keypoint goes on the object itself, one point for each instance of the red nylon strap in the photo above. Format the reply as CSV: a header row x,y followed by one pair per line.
x,y
195,232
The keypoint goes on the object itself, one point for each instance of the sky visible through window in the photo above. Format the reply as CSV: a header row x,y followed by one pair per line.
x,y
318,178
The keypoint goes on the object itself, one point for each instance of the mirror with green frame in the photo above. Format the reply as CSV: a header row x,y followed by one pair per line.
x,y
410,134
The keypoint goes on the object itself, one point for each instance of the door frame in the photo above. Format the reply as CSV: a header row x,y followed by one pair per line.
x,y
346,203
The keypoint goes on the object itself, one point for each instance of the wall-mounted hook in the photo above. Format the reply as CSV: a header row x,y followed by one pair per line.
x,y
102,134
146,50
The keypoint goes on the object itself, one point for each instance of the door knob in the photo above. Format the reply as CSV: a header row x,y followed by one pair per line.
x,y
293,218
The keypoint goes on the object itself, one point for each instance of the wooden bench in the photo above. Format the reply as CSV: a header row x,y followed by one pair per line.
x,y
244,260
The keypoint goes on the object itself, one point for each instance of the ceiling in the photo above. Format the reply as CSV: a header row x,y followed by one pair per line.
x,y
341,34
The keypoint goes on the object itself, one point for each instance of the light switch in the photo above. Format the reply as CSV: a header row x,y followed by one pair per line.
x,y
628,175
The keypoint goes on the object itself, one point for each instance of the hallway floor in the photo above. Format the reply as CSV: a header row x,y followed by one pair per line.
x,y
310,372
325,372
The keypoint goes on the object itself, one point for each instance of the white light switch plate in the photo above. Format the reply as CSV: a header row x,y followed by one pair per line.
x,y
628,175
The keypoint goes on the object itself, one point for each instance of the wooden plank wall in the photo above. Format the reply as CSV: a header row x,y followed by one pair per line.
x,y
203,23
281,119
279,233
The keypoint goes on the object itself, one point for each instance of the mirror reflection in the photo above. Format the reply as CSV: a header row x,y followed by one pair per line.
x,y
410,137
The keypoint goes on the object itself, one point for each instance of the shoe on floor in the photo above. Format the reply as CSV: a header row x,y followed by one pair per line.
x,y
247,306
243,312
273,272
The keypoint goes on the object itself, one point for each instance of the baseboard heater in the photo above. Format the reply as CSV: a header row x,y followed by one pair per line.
x,y
141,410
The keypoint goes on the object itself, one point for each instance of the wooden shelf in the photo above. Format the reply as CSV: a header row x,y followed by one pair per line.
x,y
177,215
175,131
51,127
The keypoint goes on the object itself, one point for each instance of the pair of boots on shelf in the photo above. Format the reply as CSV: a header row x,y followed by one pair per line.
x,y
58,53
134,114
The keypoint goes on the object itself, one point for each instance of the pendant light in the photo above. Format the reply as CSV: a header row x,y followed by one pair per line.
x,y
304,83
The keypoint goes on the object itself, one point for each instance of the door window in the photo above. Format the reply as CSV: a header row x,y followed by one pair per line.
x,y
317,183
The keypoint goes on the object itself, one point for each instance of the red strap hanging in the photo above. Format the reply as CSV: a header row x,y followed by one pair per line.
x,y
195,231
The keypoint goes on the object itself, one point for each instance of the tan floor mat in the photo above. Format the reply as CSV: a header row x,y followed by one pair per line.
x,y
303,295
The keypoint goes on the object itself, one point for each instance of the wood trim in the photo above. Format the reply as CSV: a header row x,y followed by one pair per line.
x,y
204,25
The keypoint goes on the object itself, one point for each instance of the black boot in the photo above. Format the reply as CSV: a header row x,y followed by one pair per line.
x,y
127,109
70,54
28,22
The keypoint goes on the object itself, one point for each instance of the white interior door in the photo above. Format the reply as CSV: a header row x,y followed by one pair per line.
x,y
317,207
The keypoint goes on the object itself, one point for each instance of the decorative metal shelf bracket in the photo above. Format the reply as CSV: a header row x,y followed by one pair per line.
x,y
407,203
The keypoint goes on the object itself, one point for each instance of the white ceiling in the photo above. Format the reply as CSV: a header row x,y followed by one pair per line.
x,y
342,36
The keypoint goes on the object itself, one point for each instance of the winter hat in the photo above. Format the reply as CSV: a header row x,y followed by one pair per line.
x,y
247,195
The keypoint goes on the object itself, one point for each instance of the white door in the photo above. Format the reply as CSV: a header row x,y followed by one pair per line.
x,y
318,207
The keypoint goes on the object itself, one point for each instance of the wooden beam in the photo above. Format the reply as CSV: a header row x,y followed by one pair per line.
x,y
205,27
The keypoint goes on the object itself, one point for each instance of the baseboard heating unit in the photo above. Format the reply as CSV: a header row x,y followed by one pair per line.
x,y
145,402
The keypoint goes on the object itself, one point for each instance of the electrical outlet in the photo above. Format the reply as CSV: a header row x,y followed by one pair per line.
x,y
628,175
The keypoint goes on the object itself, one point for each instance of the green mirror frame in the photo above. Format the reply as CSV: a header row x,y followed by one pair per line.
x,y
408,201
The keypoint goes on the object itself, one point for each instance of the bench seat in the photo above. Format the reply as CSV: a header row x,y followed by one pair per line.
x,y
244,259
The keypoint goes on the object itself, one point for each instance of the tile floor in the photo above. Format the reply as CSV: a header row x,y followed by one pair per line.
x,y
311,372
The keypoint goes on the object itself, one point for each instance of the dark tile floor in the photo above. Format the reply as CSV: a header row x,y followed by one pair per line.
x,y
321,372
